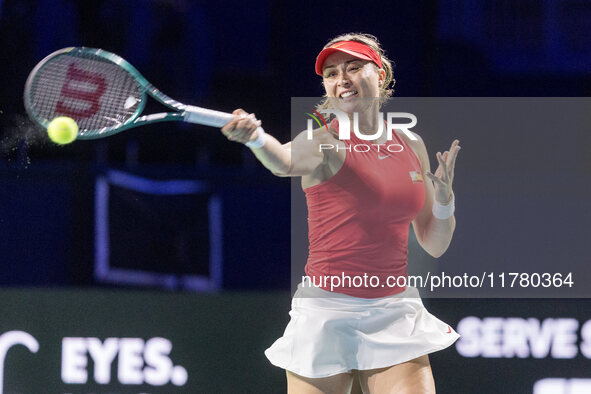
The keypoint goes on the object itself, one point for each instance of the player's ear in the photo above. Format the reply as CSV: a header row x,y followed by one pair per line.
x,y
381,77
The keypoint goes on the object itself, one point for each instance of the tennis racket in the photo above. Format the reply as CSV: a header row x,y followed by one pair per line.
x,y
103,93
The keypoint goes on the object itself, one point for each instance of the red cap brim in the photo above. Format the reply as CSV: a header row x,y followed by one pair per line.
x,y
353,48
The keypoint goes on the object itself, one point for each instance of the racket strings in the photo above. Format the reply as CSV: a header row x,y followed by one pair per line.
x,y
95,92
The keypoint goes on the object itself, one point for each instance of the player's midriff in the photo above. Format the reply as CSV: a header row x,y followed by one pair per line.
x,y
358,220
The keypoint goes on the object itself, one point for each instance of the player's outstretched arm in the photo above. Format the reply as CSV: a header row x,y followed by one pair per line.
x,y
296,158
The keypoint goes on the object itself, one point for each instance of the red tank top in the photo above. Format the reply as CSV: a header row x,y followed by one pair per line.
x,y
358,220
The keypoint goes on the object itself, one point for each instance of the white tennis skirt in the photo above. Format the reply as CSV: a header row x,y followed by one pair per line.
x,y
329,334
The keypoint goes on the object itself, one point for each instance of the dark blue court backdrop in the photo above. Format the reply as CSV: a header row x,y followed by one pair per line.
x,y
257,55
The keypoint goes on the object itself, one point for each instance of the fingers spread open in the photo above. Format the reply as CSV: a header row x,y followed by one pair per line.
x,y
434,178
443,165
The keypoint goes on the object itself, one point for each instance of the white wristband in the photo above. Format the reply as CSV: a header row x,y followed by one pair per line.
x,y
444,212
259,141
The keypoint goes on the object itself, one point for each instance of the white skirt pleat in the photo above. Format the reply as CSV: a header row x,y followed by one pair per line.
x,y
330,334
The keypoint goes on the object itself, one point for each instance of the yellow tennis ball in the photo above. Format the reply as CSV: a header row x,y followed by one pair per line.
x,y
62,130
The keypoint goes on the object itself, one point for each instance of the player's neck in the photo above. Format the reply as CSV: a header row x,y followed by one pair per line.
x,y
369,123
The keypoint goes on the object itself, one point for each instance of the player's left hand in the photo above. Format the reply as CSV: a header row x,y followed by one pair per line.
x,y
444,176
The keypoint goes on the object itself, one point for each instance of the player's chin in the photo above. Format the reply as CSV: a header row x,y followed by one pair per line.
x,y
351,104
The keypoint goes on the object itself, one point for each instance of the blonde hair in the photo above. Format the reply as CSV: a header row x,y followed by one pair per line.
x,y
371,41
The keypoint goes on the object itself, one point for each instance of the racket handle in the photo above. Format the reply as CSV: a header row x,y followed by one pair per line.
x,y
206,117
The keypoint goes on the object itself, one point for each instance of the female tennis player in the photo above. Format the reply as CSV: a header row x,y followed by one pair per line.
x,y
360,204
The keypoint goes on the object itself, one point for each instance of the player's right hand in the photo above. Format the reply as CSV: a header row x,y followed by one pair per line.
x,y
242,128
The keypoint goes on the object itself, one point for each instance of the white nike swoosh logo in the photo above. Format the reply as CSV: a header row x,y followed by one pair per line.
x,y
383,157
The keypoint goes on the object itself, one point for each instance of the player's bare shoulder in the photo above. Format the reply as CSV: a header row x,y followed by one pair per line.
x,y
332,152
312,142
306,152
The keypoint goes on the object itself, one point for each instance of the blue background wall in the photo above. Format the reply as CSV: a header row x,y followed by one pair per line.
x,y
256,55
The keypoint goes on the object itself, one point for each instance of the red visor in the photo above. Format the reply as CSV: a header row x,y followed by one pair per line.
x,y
354,48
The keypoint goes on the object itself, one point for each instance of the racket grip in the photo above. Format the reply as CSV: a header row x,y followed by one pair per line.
x,y
206,117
